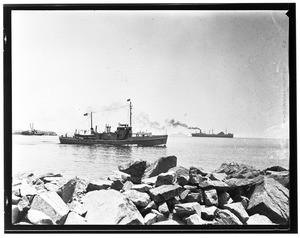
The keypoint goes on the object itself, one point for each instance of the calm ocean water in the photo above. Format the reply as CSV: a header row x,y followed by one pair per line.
x,y
41,154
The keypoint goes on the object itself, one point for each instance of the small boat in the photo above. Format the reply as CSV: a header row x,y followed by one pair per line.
x,y
219,135
32,132
122,136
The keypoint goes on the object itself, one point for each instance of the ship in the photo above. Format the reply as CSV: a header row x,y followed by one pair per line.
x,y
219,135
122,136
32,132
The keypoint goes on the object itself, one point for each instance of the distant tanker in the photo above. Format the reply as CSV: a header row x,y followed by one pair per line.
x,y
220,135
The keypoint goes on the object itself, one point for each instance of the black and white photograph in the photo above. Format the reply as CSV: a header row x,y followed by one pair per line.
x,y
149,117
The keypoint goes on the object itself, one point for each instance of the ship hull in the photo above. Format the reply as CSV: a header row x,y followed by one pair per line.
x,y
25,133
159,140
210,135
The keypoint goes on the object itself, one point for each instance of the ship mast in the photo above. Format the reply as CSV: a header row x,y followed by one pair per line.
x,y
91,121
130,113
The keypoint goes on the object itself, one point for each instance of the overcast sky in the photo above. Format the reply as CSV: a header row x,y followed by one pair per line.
x,y
226,70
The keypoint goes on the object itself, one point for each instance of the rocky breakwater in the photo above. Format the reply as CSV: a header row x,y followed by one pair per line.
x,y
161,193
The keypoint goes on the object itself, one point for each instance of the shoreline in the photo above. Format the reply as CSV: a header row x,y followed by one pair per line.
x,y
160,193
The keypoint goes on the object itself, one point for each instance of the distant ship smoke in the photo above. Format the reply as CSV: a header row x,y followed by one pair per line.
x,y
174,123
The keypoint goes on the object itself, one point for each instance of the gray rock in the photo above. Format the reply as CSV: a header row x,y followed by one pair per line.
x,y
208,213
27,190
243,182
196,175
187,209
118,175
99,184
117,185
39,218
23,204
205,184
141,187
51,204
163,209
271,199
150,181
160,216
150,218
15,199
67,190
15,214
245,201
258,219
194,219
165,192
111,207
165,178
225,217
192,188
224,198
75,219
138,198
211,197
181,175
196,197
234,170
77,207
184,195
169,222
238,209
51,187
161,165
151,206
135,169
218,176
127,186
282,177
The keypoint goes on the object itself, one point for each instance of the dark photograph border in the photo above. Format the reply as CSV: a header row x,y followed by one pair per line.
x,y
7,84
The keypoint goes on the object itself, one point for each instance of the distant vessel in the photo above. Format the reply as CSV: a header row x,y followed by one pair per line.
x,y
220,135
122,136
32,132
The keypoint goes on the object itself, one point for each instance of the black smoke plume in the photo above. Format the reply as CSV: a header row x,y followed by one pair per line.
x,y
174,123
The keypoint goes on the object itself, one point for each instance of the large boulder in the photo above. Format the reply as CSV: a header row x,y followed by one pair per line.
x,y
271,199
67,190
135,169
181,175
163,209
138,198
194,219
39,218
208,213
111,207
243,182
197,175
225,217
150,218
141,187
224,198
165,192
187,209
238,209
234,170
99,184
211,197
258,219
161,165
204,184
51,204
75,219
165,178
282,177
